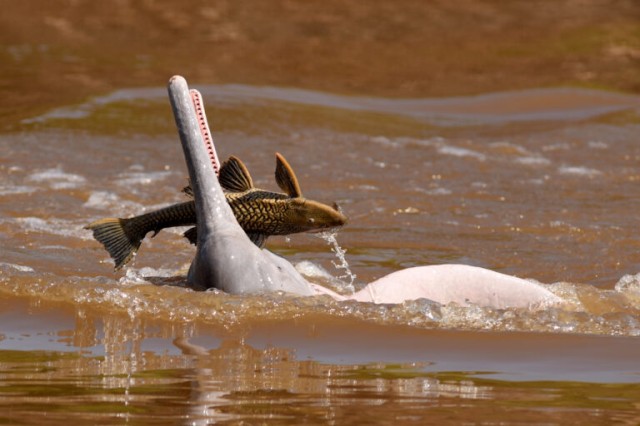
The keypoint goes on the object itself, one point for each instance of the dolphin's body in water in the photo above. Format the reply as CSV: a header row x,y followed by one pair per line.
x,y
226,259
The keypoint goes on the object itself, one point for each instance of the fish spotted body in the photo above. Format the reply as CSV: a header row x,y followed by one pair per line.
x,y
260,213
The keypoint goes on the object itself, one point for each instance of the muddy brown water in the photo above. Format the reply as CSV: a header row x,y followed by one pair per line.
x,y
541,182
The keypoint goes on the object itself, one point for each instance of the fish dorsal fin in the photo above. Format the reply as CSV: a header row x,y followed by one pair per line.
x,y
234,176
286,178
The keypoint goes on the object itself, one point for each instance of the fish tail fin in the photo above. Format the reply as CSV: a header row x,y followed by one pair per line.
x,y
120,237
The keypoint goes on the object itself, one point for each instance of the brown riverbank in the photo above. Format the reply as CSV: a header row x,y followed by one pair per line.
x,y
59,52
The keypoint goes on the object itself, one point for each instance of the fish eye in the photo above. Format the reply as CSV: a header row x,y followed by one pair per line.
x,y
311,220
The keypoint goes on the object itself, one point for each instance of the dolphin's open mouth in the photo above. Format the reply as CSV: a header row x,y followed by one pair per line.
x,y
198,105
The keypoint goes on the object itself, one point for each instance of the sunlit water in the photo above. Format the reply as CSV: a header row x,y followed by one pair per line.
x,y
548,193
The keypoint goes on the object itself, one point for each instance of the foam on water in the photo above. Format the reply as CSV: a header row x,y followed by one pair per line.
x,y
495,151
533,161
433,191
21,268
57,178
630,286
579,171
103,200
19,189
142,178
160,293
461,152
137,276
597,145
54,226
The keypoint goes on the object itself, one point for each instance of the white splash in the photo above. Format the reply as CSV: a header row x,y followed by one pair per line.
x,y
629,283
341,263
134,276
319,275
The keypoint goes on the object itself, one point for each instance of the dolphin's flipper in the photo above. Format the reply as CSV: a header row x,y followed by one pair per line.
x,y
225,257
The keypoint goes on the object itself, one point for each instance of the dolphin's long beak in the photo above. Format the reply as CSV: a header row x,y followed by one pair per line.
x,y
200,156
225,257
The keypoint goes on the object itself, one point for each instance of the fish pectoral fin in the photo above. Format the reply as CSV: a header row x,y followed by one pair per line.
x,y
234,176
257,239
188,190
191,234
286,178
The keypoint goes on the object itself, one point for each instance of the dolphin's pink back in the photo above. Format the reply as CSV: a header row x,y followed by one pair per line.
x,y
460,284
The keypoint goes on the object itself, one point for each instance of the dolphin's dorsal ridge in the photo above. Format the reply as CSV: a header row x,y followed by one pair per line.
x,y
286,178
234,176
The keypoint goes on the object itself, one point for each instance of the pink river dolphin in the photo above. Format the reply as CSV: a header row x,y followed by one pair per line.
x,y
227,260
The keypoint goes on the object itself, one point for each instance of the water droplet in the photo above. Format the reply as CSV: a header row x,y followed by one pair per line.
x,y
341,263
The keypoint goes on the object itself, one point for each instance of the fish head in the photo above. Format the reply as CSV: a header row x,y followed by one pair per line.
x,y
304,215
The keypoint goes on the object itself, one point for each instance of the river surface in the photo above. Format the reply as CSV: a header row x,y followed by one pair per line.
x,y
543,184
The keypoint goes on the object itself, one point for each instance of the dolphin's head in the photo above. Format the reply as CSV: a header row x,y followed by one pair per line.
x,y
304,215
225,257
